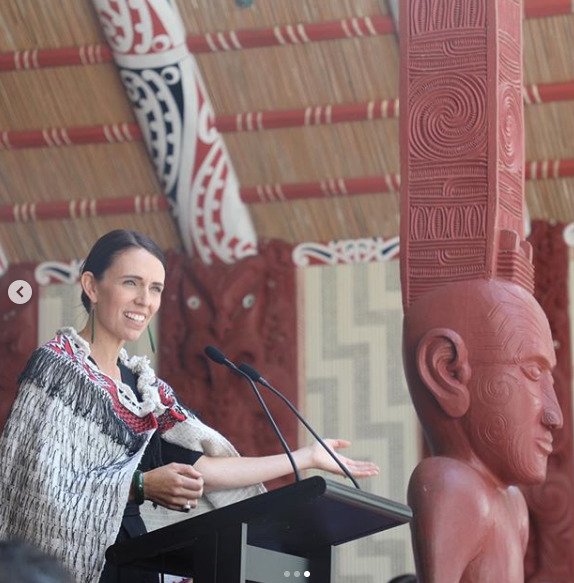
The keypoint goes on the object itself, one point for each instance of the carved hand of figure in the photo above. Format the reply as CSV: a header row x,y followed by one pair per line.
x,y
174,486
314,456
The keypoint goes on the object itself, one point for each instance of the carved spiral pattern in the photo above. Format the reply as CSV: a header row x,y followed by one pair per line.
x,y
510,128
495,430
140,26
448,117
154,98
497,391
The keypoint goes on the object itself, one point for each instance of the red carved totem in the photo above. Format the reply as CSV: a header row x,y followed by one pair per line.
x,y
18,335
551,505
248,311
462,138
478,348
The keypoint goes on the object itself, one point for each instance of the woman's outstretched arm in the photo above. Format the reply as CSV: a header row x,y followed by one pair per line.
x,y
221,473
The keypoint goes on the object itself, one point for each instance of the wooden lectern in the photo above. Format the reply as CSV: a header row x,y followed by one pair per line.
x,y
261,539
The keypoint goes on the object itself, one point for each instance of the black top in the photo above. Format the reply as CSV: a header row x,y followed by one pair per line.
x,y
157,453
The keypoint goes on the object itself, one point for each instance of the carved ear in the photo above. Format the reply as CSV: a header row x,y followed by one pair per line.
x,y
442,363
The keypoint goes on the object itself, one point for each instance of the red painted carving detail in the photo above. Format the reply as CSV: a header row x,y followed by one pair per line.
x,y
510,119
18,334
462,77
446,218
551,505
437,15
248,311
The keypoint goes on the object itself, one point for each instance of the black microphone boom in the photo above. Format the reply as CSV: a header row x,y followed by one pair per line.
x,y
218,357
256,377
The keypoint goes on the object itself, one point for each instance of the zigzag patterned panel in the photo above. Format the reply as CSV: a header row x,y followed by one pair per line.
x,y
355,389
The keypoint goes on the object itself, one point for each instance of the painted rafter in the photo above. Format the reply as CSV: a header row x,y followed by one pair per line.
x,y
263,193
82,208
229,40
312,115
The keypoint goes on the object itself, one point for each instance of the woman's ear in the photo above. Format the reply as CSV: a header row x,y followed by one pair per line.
x,y
442,363
88,283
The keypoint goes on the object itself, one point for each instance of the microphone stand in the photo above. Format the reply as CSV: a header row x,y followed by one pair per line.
x,y
218,357
256,377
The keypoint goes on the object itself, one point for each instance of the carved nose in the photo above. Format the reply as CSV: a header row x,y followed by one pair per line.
x,y
221,327
552,416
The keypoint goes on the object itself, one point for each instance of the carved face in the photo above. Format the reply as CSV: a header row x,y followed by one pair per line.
x,y
513,404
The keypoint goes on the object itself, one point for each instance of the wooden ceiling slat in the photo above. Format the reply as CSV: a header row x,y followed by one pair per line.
x,y
26,24
72,239
62,98
102,171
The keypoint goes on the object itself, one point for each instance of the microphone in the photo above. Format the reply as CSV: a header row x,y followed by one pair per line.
x,y
218,357
255,376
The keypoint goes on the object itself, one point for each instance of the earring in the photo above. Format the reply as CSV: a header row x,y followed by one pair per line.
x,y
92,324
150,336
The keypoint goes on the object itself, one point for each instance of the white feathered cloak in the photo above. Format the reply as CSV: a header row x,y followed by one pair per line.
x,y
72,443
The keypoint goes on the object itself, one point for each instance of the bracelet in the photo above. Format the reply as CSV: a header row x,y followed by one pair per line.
x,y
138,487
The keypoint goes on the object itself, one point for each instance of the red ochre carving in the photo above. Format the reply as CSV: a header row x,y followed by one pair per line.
x,y
248,311
18,335
478,349
461,80
551,505
478,358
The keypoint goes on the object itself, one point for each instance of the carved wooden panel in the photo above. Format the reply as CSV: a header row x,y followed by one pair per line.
x,y
248,311
462,144
549,558
18,334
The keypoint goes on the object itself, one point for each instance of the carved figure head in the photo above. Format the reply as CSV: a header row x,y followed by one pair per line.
x,y
479,357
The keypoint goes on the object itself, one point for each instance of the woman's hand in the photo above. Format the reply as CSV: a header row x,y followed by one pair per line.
x,y
175,486
315,456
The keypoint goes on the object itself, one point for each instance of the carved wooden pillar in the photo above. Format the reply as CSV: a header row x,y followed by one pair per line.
x,y
462,144
551,505
478,349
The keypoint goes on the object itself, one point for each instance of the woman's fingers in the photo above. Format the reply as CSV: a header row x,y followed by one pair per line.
x,y
175,486
360,468
357,468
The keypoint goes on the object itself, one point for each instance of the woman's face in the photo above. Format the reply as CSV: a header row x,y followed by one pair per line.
x,y
128,295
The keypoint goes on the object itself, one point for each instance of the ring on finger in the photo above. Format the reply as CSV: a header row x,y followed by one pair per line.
x,y
187,505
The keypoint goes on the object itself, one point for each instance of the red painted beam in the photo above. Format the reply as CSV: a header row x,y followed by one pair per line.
x,y
74,209
229,40
387,183
253,120
542,8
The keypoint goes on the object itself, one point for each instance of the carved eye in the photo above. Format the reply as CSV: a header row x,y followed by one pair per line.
x,y
532,371
248,301
193,303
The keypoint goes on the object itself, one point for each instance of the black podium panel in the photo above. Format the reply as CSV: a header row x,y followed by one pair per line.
x,y
298,523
